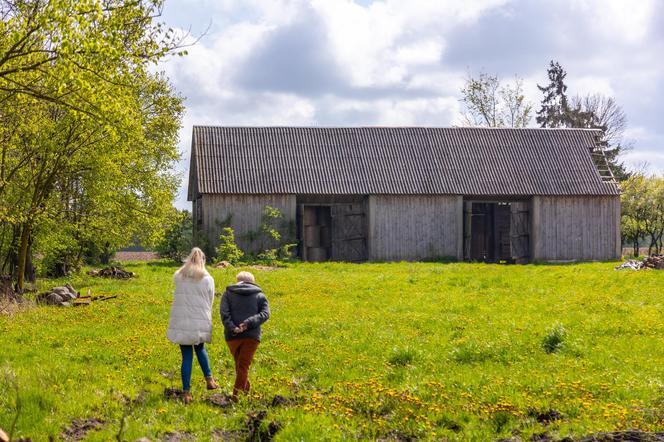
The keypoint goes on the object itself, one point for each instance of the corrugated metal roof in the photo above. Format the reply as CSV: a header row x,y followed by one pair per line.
x,y
394,160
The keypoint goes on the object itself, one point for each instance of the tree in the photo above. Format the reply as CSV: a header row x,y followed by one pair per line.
x,y
90,155
490,103
178,238
643,212
590,112
595,111
555,110
635,211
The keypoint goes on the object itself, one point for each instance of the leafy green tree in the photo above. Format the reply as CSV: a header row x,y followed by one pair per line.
x,y
178,238
89,158
643,212
489,102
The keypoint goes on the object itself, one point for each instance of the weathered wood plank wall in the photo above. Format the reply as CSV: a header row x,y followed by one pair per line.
x,y
246,212
415,227
576,228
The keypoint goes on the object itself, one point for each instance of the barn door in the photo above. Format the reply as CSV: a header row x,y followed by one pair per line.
x,y
467,216
349,237
520,231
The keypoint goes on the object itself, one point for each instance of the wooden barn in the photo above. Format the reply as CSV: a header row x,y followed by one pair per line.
x,y
409,193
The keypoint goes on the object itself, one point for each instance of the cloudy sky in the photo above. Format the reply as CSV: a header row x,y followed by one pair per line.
x,y
403,62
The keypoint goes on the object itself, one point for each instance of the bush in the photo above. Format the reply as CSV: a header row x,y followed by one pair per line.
x,y
554,339
269,239
227,250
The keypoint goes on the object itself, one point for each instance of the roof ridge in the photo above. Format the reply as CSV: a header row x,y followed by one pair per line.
x,y
574,129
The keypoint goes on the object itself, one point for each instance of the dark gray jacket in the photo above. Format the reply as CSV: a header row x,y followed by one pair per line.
x,y
244,302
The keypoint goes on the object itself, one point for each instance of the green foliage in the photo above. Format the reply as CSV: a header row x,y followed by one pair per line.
x,y
89,131
227,250
642,206
490,102
273,238
589,112
554,339
178,238
326,348
555,108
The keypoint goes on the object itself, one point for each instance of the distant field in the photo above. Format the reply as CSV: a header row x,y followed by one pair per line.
x,y
135,256
374,351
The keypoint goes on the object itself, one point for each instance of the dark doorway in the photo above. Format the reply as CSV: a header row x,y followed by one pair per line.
x,y
496,231
334,232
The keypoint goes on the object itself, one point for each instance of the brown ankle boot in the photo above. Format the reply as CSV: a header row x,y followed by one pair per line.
x,y
211,384
186,397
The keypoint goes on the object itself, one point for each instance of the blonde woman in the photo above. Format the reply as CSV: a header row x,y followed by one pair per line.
x,y
244,308
190,322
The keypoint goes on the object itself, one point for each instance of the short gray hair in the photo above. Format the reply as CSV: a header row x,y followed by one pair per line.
x,y
245,277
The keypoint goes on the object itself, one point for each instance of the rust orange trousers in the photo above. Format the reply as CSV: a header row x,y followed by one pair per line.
x,y
243,350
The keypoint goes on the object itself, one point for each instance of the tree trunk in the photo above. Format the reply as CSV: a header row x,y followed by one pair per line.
x,y
30,271
22,257
636,247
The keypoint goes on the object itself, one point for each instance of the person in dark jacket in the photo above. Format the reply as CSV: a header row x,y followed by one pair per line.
x,y
244,308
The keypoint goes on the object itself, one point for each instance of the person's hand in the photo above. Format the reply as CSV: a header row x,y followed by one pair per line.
x,y
240,328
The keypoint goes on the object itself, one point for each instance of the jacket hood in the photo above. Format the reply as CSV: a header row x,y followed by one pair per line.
x,y
244,288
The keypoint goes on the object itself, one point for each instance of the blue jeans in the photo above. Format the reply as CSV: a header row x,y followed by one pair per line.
x,y
187,361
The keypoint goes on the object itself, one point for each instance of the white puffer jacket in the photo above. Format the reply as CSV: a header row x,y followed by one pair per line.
x,y
191,312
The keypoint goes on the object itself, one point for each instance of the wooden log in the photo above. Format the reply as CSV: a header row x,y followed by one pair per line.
x,y
309,216
312,236
317,254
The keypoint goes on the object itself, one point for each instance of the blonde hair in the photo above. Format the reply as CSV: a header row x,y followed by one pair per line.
x,y
245,277
194,266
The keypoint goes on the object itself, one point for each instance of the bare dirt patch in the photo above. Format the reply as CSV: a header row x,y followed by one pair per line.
x,y
80,427
220,435
545,416
259,432
177,436
220,400
624,436
173,393
112,272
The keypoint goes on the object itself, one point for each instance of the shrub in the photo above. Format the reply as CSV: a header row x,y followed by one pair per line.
x,y
227,250
554,339
268,238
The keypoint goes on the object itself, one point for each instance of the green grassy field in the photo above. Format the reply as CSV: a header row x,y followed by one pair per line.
x,y
376,351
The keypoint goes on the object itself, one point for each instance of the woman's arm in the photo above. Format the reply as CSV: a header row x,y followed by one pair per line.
x,y
262,315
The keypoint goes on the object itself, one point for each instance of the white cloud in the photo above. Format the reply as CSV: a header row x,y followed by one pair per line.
x,y
622,21
403,62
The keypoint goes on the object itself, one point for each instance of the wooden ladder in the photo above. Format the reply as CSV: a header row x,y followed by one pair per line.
x,y
598,156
